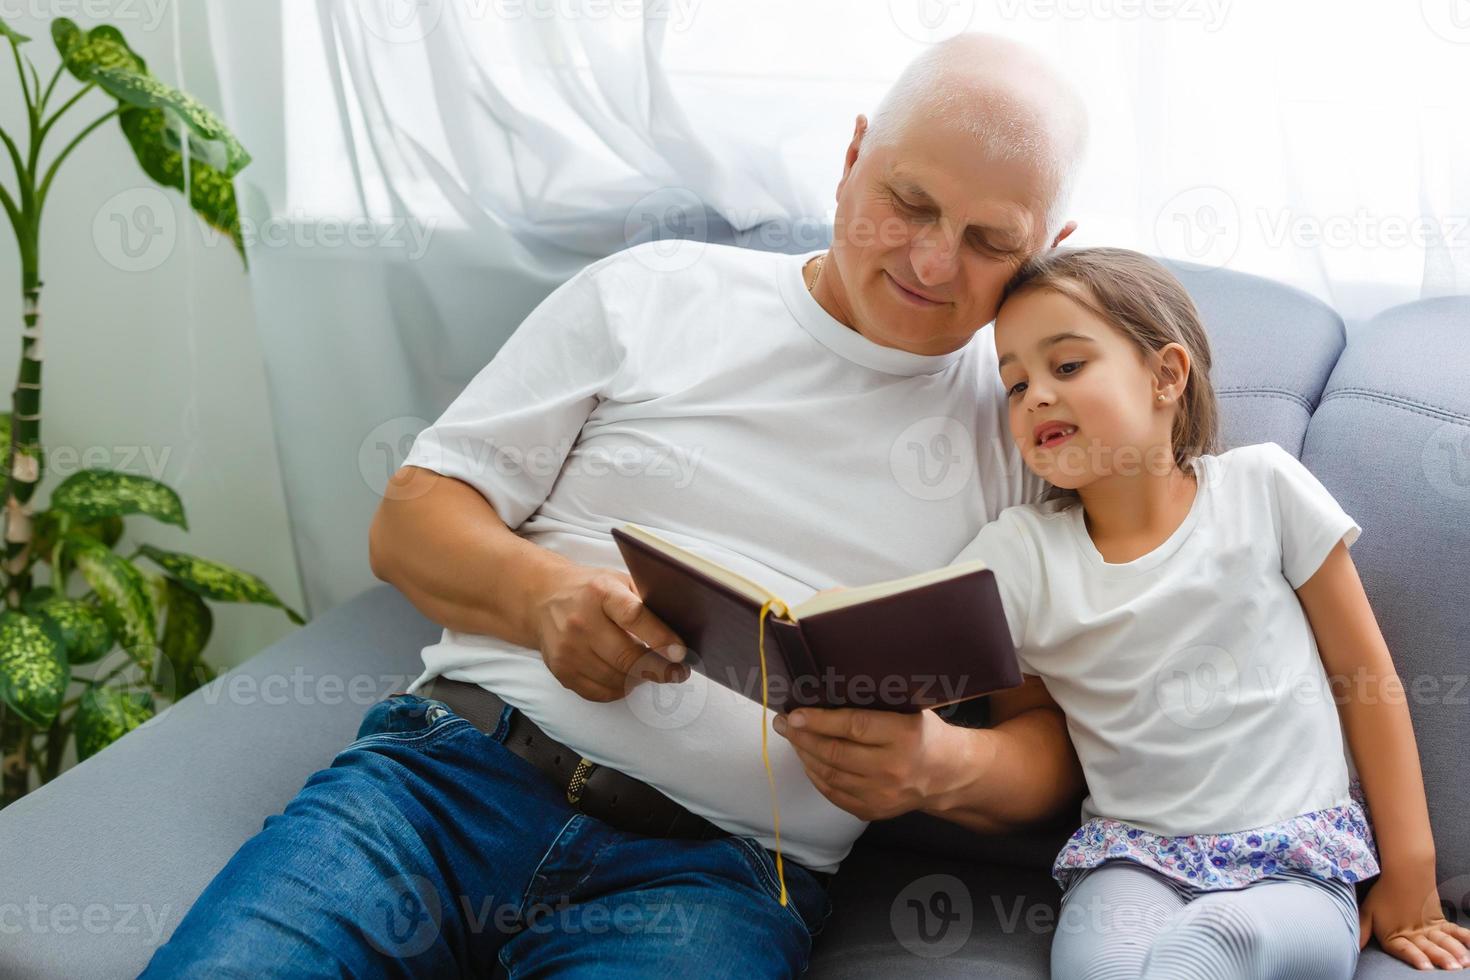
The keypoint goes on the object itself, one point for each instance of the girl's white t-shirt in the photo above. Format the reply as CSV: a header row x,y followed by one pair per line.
x,y
1194,692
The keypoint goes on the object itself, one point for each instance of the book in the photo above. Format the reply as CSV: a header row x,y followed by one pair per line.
x,y
922,641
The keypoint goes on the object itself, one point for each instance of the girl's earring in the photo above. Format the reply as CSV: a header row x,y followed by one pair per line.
x,y
1161,398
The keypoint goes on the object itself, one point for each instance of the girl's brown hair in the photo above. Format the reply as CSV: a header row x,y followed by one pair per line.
x,y
1143,300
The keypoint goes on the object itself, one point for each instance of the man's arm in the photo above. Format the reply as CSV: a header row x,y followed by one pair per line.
x,y
880,764
1024,767
445,548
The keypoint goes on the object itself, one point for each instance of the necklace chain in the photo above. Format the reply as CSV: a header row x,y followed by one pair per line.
x,y
816,271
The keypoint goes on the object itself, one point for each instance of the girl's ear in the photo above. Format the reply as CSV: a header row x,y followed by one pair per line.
x,y
1173,367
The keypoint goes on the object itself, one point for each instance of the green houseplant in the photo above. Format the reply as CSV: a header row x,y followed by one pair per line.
x,y
142,627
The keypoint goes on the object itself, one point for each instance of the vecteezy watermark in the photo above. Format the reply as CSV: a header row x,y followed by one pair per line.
x,y
833,688
673,223
301,687
673,921
1074,460
65,460
1199,687
1206,225
1090,914
934,458
929,21
1446,460
411,21
135,14
1362,228
383,452
404,916
400,21
136,230
933,916
1201,225
1449,19
409,236
34,917
1454,899
1210,14
664,706
388,446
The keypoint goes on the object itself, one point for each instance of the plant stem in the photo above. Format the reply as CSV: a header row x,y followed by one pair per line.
x,y
46,126
56,739
25,447
15,771
51,85
25,85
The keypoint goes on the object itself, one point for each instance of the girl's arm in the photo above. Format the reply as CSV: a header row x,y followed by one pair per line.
x,y
1402,909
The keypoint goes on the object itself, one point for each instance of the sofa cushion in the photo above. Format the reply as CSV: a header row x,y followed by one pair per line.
x,y
1391,440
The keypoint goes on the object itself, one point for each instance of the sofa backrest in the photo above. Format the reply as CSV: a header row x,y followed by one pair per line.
x,y
1391,440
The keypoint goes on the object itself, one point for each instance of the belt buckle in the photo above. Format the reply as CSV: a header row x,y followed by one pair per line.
x,y
578,782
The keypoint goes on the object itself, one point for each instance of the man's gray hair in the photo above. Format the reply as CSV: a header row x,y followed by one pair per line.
x,y
1005,95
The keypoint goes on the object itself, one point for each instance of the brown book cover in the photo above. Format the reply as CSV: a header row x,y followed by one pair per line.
x,y
912,643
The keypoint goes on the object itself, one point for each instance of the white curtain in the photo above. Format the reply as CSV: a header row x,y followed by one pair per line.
x,y
427,170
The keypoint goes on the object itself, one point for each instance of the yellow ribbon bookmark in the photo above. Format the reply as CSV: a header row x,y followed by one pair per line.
x,y
765,752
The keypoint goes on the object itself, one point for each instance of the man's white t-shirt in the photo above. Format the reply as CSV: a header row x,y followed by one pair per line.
x,y
1193,689
721,407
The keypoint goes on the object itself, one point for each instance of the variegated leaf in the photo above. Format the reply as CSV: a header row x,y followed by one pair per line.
x,y
149,106
106,714
211,193
92,495
83,628
108,530
86,52
33,668
123,594
221,150
215,580
185,632
157,591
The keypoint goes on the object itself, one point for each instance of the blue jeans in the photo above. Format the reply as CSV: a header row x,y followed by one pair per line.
x,y
427,849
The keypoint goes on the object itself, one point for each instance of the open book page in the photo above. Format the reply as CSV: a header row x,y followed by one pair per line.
x,y
828,601
817,604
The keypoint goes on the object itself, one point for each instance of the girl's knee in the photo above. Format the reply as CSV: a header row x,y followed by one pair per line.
x,y
1208,939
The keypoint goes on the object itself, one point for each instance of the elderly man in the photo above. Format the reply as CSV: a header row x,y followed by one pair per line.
x,y
558,791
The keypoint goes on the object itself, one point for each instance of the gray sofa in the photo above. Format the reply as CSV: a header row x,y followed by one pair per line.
x,y
97,868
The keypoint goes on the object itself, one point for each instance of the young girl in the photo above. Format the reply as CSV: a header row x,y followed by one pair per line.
x,y
1186,609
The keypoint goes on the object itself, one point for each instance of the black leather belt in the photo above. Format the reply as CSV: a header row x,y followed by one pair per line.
x,y
613,797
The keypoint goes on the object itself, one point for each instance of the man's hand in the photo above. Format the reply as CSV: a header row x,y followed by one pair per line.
x,y
598,638
875,764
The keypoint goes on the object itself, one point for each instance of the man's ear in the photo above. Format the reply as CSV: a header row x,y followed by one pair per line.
x,y
859,129
1067,229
